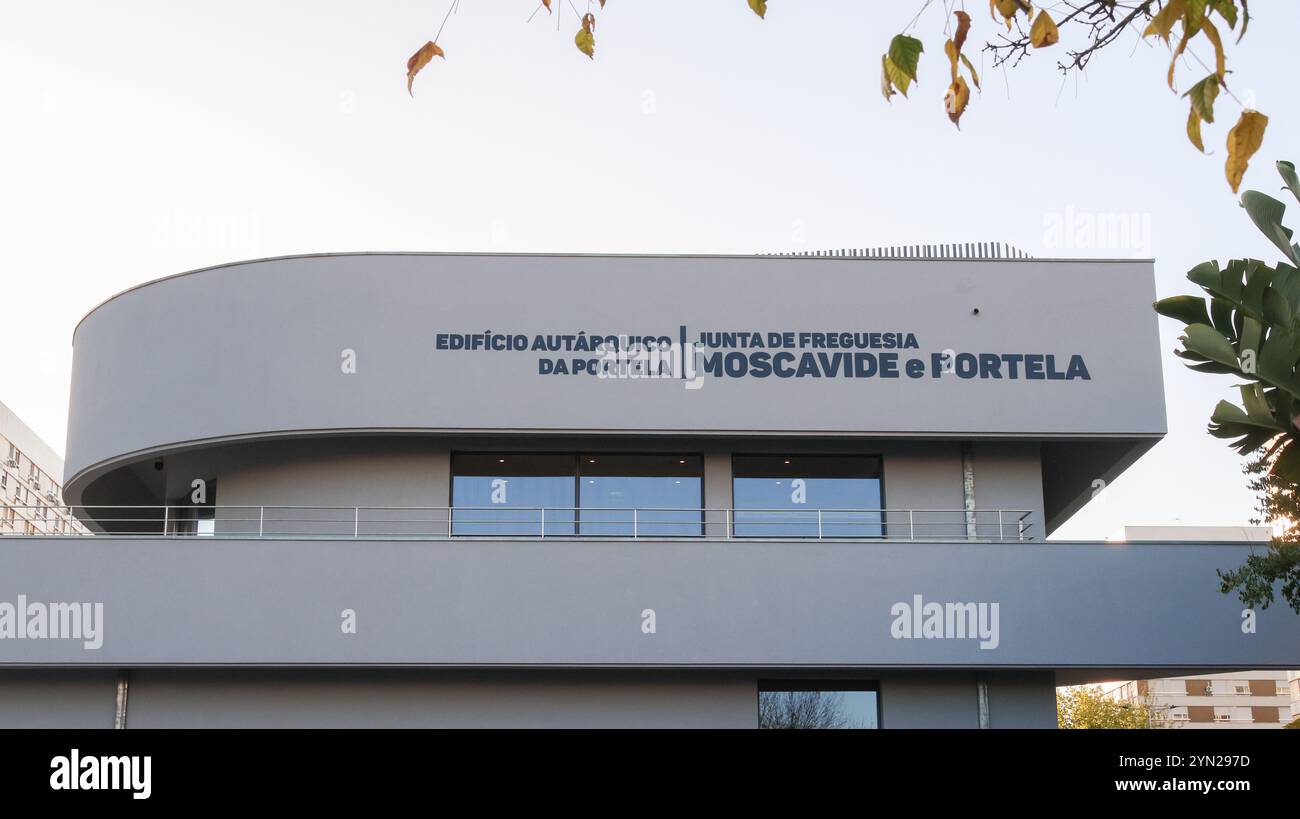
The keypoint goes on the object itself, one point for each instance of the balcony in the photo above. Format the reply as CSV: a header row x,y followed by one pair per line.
x,y
278,586
549,523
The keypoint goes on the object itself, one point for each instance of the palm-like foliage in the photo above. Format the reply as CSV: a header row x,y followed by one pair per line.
x,y
1248,325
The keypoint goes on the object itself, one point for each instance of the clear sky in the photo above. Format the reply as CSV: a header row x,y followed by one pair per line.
x,y
150,137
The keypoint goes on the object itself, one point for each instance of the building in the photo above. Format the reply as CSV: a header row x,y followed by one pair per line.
x,y
1239,699
31,500
435,489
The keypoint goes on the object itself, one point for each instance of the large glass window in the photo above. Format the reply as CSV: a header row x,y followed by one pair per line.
x,y
818,705
505,495
807,496
645,495
610,495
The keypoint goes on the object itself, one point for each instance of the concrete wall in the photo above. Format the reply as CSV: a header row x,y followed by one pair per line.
x,y
213,698
1008,475
57,698
581,603
395,471
275,333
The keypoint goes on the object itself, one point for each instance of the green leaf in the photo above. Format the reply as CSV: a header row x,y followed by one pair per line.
x,y
902,60
585,40
1252,398
1203,95
1211,367
1193,17
1276,363
1252,332
1258,278
1287,465
1187,309
1221,313
1287,169
1277,311
1227,9
1227,414
1267,212
1207,275
1209,342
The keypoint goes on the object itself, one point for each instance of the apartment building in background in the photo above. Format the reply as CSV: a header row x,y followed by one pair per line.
x,y
407,489
31,475
1240,699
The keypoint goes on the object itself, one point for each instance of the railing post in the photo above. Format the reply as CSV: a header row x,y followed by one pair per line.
x,y
819,524
543,521
450,517
634,526
356,521
166,522
261,520
1000,535
730,523
911,524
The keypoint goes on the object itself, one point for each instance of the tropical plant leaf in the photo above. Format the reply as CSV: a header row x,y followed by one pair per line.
x,y
1205,340
1187,309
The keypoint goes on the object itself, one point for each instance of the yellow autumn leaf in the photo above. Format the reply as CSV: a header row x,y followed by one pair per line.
x,y
585,40
1243,141
1044,32
950,49
1194,130
1163,21
419,60
1173,63
956,99
1220,60
886,84
1008,9
975,77
759,7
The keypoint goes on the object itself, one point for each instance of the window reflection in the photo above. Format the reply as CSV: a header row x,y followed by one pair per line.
x,y
504,495
820,705
807,496
664,490
594,494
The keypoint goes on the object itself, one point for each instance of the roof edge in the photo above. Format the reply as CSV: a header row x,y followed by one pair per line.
x,y
751,256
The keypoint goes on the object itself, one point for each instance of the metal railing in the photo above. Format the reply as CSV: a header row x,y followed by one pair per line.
x,y
482,522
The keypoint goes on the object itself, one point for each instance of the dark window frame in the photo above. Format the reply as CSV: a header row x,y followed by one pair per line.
x,y
576,456
878,457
